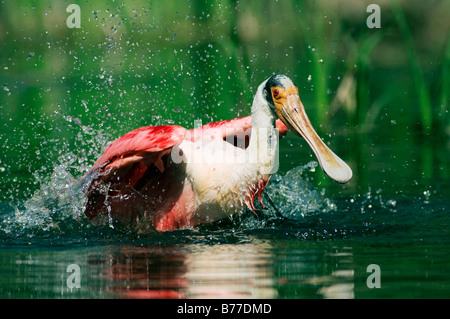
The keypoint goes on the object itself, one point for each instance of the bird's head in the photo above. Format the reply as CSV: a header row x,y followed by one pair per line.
x,y
281,96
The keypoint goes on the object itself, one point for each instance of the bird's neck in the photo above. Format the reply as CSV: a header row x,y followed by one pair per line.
x,y
263,148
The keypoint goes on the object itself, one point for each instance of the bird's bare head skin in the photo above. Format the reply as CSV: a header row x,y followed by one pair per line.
x,y
283,98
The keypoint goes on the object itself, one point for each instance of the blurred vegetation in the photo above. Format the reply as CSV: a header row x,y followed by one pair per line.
x,y
67,92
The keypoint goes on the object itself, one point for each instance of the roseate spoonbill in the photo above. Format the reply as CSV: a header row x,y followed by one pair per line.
x,y
168,178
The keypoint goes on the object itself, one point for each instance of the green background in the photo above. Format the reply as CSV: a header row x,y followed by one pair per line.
x,y
378,97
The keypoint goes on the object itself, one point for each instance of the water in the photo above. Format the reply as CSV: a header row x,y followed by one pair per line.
x,y
67,93
304,244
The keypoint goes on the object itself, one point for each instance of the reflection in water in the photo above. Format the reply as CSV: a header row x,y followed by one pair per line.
x,y
218,271
340,284
250,270
254,269
317,272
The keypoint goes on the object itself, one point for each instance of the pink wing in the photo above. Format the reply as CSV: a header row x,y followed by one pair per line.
x,y
149,142
135,177
238,129
130,167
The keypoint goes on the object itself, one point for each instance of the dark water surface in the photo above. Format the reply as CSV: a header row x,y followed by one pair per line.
x,y
322,248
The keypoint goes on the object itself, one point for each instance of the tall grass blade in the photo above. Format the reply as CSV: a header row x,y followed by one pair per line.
x,y
423,95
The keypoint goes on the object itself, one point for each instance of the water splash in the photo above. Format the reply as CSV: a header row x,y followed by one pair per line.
x,y
295,196
57,206
53,208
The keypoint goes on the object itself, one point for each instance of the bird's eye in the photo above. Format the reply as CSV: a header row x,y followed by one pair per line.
x,y
276,92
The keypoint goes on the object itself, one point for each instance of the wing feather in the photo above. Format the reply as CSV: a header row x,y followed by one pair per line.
x,y
236,131
135,174
125,169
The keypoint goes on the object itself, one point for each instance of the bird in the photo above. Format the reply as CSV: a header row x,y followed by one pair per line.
x,y
168,177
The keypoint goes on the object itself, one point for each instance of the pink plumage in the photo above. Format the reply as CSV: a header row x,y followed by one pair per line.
x,y
167,177
138,182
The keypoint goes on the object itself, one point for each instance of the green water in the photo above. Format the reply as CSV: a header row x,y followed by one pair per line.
x,y
66,93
